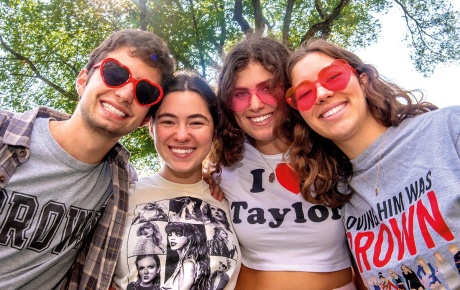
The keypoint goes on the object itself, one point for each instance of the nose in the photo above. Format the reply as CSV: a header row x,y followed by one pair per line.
x,y
255,103
322,94
146,270
126,93
182,134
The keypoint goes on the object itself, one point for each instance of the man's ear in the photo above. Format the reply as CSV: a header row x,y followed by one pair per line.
x,y
150,127
80,83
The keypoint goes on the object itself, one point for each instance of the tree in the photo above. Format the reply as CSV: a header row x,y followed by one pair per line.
x,y
45,43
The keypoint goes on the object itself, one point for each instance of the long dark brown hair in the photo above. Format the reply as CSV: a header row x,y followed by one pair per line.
x,y
324,170
228,147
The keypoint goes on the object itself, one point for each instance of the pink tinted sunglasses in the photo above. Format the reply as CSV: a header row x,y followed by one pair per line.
x,y
334,77
241,97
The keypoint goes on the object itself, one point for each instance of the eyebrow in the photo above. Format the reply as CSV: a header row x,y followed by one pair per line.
x,y
193,116
266,82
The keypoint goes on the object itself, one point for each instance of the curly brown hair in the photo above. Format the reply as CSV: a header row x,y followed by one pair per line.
x,y
273,56
324,170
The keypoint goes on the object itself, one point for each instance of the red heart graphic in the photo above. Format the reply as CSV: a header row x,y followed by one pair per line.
x,y
288,178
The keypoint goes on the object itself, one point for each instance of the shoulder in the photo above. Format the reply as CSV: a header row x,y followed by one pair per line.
x,y
16,128
5,118
445,120
189,265
448,116
442,113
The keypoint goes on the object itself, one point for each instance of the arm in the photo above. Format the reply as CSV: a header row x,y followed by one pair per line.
x,y
187,275
216,192
357,279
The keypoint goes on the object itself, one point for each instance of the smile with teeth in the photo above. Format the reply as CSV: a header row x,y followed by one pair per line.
x,y
173,244
261,118
181,151
113,110
333,111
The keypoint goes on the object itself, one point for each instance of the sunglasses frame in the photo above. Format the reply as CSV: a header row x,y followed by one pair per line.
x,y
130,79
256,91
291,92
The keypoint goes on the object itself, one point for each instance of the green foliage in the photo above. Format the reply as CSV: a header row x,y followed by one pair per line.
x,y
45,43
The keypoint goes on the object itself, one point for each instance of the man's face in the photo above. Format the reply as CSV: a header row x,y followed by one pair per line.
x,y
113,112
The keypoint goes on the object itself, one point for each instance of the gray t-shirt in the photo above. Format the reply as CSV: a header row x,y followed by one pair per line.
x,y
49,206
409,233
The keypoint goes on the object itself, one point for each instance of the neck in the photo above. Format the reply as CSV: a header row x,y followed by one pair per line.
x,y
189,177
355,146
79,142
271,147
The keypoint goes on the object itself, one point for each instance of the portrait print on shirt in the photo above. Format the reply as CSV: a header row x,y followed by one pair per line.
x,y
410,238
152,211
419,275
182,241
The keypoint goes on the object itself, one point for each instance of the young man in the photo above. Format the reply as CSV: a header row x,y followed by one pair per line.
x,y
63,177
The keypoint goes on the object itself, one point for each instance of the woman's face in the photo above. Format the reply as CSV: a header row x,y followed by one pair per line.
x,y
147,269
177,241
183,130
258,118
217,214
336,115
148,232
223,235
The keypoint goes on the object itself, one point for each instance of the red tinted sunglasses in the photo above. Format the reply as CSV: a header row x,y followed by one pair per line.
x,y
116,75
241,97
334,77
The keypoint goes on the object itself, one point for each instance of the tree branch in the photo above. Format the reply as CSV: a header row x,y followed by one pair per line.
x,y
238,17
287,22
35,70
327,20
408,16
258,17
198,40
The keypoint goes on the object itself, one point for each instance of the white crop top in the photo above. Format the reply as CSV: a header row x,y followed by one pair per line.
x,y
276,228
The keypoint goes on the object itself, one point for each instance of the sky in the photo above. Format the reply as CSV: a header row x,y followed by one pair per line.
x,y
391,57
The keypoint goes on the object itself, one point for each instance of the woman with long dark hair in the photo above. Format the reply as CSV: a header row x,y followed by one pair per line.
x,y
182,128
192,268
286,241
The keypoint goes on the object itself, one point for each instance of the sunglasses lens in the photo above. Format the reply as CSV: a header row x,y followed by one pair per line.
x,y
114,74
147,93
241,98
335,77
268,97
305,95
239,101
302,97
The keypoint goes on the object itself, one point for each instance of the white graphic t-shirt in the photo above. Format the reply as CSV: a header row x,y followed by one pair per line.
x,y
177,235
277,229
